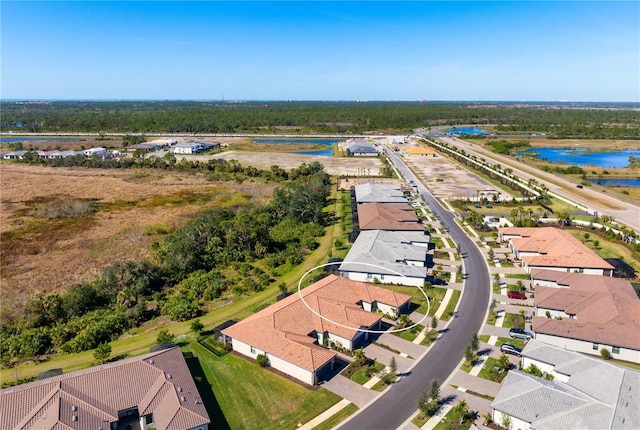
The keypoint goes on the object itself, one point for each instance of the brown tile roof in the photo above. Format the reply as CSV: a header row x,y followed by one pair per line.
x,y
284,328
556,248
95,396
388,216
607,309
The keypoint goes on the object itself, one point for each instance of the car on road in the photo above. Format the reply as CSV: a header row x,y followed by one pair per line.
x,y
516,295
507,348
518,333
579,186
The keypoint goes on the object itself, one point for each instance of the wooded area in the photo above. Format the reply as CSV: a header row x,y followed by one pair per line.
x,y
561,120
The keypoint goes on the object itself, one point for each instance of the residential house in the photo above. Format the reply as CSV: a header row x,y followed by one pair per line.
x,y
15,155
587,313
145,146
193,147
361,148
386,216
583,393
388,257
152,391
379,193
552,249
294,332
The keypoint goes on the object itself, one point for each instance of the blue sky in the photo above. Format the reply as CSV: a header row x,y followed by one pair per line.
x,y
502,50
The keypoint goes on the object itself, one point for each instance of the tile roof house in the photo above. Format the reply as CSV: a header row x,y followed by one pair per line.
x,y
587,313
385,216
390,257
585,393
554,249
155,389
379,193
290,332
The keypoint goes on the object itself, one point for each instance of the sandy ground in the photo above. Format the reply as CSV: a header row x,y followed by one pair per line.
x,y
457,182
353,166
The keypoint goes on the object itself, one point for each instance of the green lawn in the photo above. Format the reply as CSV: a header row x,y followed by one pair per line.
x,y
508,320
337,418
452,421
245,396
431,336
411,334
518,343
518,275
487,371
451,305
435,294
364,373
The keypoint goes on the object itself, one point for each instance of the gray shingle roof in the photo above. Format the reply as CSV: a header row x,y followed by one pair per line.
x,y
597,395
381,193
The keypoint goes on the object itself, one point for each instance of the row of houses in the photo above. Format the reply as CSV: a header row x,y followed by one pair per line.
x,y
296,333
49,155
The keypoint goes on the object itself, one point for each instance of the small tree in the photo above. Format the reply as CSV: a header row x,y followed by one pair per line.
x,y
393,365
605,353
164,336
506,421
102,352
197,326
475,343
491,254
586,237
468,354
434,323
503,362
283,287
423,403
434,390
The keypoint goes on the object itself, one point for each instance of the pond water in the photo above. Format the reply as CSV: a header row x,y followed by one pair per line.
x,y
616,182
320,152
467,130
584,157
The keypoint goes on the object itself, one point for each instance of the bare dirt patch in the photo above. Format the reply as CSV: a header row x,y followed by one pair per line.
x,y
44,254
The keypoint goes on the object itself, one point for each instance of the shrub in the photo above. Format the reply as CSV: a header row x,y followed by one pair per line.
x,y
605,353
262,360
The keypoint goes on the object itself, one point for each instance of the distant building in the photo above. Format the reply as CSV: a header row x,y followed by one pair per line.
x,y
379,193
361,148
194,147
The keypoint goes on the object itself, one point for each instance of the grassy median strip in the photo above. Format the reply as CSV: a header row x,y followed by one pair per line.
x,y
337,418
453,302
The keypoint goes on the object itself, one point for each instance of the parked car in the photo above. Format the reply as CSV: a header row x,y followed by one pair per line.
x,y
507,348
516,295
518,333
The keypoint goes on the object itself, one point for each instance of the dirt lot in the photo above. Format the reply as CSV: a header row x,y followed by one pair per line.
x,y
456,181
42,254
354,166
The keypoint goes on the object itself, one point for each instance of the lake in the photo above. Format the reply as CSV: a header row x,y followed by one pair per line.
x,y
320,153
584,156
616,182
467,130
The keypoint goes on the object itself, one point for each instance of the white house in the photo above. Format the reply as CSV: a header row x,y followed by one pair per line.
x,y
587,313
388,257
98,151
582,393
295,332
552,248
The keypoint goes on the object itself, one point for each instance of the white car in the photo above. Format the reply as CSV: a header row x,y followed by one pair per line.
x,y
416,205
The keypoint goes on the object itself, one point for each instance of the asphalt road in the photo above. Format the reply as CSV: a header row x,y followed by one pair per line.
x,y
395,406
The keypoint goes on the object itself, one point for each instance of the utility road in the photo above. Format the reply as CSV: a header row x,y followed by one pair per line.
x,y
397,404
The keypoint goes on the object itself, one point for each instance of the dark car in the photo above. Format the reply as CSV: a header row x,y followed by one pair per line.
x,y
518,333
516,295
507,348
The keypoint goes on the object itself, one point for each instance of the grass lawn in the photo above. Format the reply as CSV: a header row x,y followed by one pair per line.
x,y
518,275
381,385
437,242
483,338
435,294
411,334
626,364
518,343
446,316
431,336
491,318
364,373
420,419
487,371
495,287
607,249
452,420
337,418
508,320
250,397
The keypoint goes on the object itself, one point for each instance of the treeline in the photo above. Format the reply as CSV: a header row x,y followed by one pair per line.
x,y
557,120
223,253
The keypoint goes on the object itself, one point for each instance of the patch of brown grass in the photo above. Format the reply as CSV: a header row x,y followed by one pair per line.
x,y
43,254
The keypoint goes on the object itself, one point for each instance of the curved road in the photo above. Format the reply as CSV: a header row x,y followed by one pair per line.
x,y
396,405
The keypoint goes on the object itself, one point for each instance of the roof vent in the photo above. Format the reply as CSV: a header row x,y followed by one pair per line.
x,y
74,408
182,399
179,389
74,418
150,361
169,376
